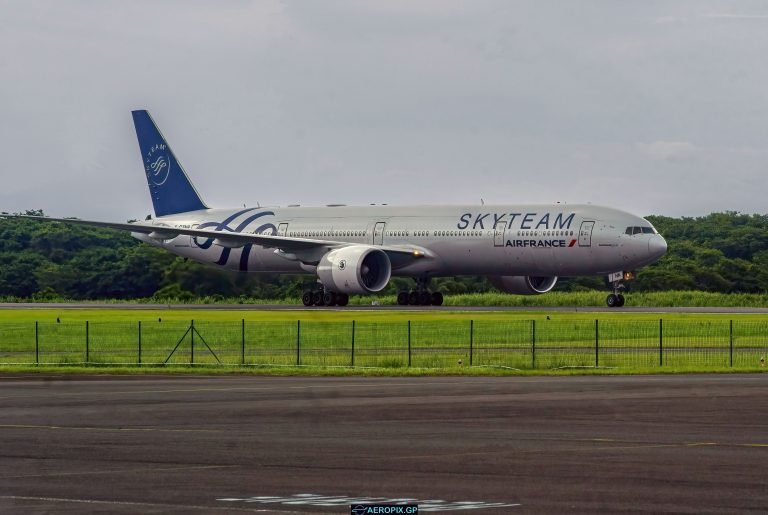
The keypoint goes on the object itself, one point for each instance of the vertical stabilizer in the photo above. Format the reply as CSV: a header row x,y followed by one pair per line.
x,y
169,186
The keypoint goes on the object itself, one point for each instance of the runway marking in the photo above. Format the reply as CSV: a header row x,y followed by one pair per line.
x,y
134,503
119,471
628,444
339,382
339,500
112,429
370,384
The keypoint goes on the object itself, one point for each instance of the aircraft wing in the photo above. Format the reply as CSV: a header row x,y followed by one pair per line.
x,y
287,245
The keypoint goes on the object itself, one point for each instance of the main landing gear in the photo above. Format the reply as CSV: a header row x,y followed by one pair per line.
x,y
616,280
421,296
324,298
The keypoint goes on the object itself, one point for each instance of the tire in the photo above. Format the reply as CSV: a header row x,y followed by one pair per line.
x,y
612,300
621,301
329,298
402,298
424,298
342,299
307,299
413,298
317,298
437,298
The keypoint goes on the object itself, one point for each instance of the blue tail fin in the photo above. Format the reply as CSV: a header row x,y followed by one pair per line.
x,y
169,185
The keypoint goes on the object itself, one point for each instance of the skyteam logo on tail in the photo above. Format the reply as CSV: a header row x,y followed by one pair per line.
x,y
157,164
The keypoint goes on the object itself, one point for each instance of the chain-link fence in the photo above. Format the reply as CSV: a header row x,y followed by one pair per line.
x,y
521,344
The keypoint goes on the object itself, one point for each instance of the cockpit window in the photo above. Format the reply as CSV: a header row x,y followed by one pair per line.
x,y
640,230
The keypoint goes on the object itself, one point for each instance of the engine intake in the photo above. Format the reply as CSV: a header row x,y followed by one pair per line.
x,y
355,269
523,284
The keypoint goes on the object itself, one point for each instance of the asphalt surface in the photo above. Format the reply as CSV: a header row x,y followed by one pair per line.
x,y
299,307
682,444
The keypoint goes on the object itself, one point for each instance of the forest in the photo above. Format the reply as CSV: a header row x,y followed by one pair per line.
x,y
721,252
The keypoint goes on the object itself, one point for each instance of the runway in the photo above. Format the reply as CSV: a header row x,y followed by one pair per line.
x,y
298,307
180,444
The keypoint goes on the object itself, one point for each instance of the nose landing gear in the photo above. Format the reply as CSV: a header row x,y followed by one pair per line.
x,y
616,280
615,300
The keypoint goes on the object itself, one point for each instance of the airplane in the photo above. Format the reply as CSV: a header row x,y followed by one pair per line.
x,y
521,249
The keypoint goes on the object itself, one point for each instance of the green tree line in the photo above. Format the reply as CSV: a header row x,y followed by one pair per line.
x,y
720,252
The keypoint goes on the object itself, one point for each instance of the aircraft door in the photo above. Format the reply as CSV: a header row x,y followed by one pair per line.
x,y
192,242
378,233
498,234
282,229
585,234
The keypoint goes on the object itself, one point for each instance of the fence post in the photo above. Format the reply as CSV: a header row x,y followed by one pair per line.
x,y
471,340
242,342
298,342
353,343
192,342
661,342
37,345
87,344
409,343
139,342
533,343
731,342
597,353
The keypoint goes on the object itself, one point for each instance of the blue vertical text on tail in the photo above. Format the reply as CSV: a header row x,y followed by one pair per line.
x,y
169,186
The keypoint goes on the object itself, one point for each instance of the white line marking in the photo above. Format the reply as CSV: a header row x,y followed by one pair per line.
x,y
132,503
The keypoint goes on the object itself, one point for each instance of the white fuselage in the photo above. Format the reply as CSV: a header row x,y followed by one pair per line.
x,y
541,240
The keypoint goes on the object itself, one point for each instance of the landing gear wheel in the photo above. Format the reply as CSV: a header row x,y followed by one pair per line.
x,y
317,297
307,299
329,298
612,300
424,298
342,299
620,300
402,298
413,298
437,299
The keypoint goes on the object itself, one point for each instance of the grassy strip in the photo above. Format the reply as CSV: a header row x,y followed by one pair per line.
x,y
11,370
593,298
179,314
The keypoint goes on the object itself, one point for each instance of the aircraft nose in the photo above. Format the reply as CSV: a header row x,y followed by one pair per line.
x,y
657,246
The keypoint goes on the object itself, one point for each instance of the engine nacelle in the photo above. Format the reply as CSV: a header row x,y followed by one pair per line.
x,y
523,284
355,269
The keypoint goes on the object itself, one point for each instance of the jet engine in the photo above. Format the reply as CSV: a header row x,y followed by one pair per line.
x,y
523,284
355,269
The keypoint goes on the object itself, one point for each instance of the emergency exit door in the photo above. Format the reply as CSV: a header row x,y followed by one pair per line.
x,y
498,234
585,234
378,233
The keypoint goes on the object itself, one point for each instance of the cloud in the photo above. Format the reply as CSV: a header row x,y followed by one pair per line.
x,y
729,16
671,151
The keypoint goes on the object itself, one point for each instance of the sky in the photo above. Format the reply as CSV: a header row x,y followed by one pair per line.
x,y
652,107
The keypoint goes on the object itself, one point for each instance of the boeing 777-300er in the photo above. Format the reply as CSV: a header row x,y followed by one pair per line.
x,y
522,249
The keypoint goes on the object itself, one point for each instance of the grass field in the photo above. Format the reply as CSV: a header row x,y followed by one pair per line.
x,y
558,298
391,340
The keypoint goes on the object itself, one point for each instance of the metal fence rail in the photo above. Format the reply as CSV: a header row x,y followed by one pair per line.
x,y
523,344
